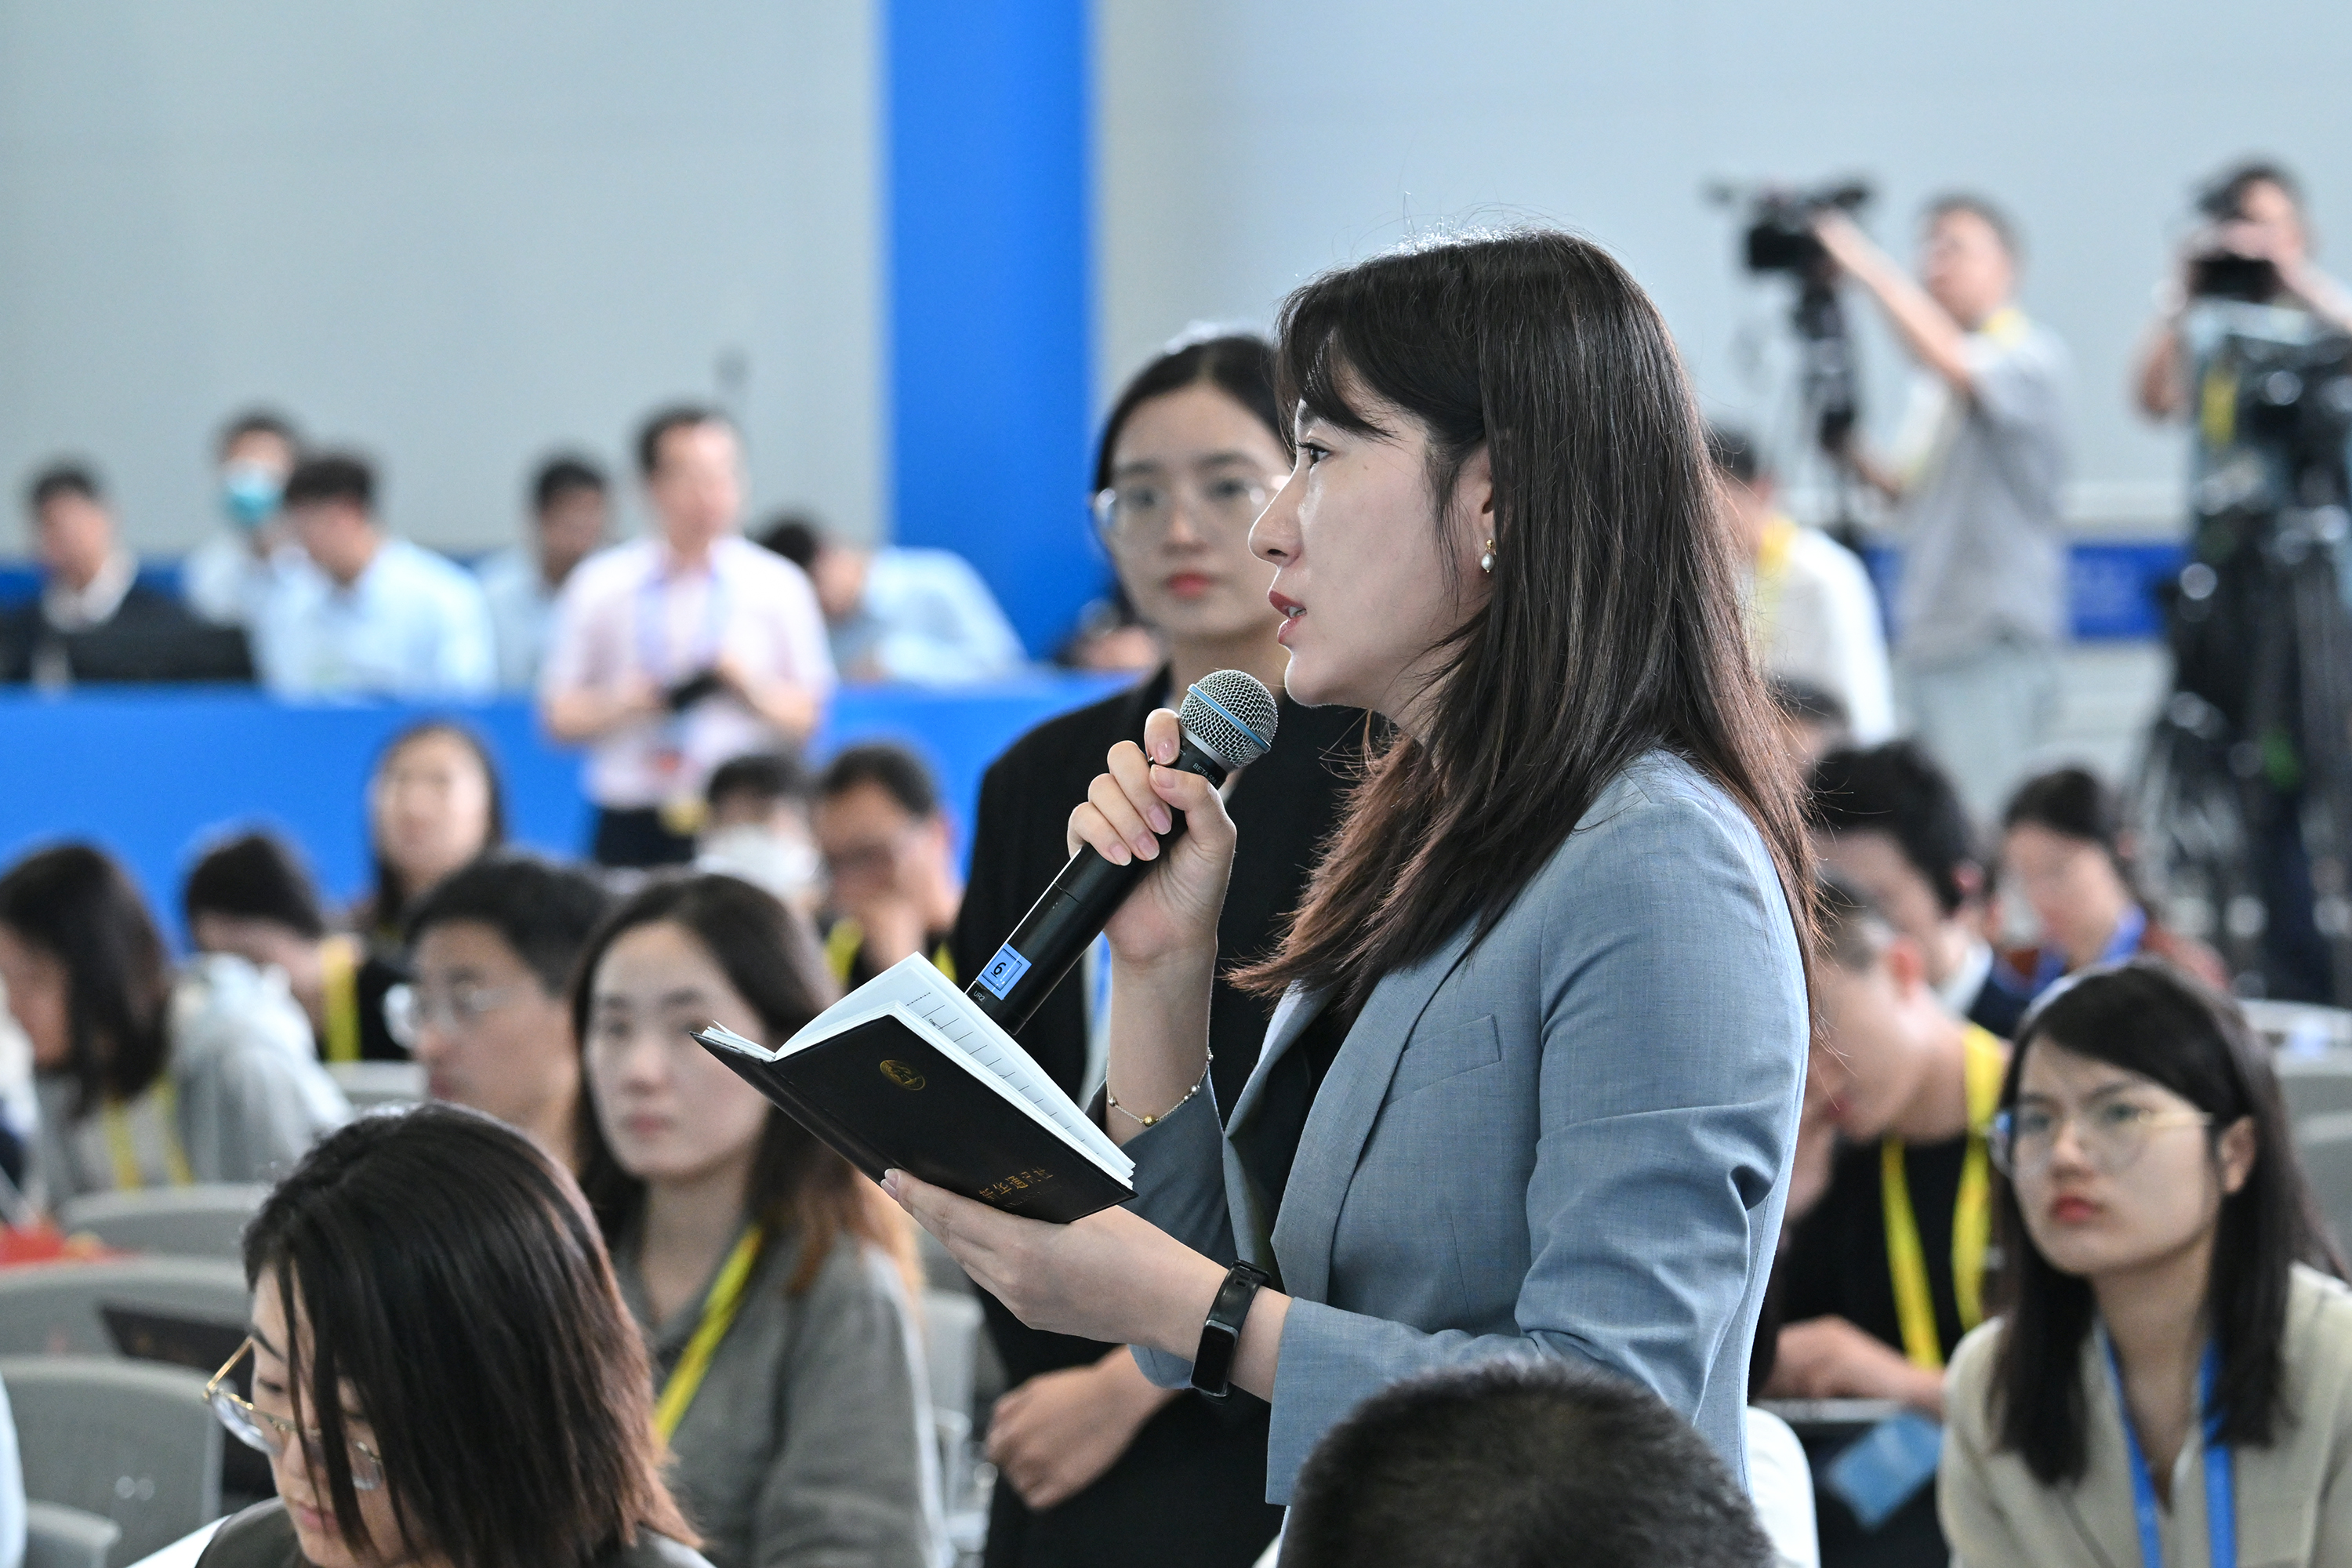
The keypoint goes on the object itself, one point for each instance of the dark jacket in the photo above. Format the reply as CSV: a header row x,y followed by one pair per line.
x,y
144,614
1189,1489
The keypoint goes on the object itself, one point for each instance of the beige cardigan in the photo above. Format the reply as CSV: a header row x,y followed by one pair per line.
x,y
2294,1498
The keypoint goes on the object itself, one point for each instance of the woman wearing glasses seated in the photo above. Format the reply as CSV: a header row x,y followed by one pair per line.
x,y
2172,1382
441,1368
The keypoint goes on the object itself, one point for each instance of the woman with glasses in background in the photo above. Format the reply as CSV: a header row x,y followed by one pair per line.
x,y
405,1381
2172,1381
1084,1444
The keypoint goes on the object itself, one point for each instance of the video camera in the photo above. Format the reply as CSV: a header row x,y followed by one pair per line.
x,y
1779,237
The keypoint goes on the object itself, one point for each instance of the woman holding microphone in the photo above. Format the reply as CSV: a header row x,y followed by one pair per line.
x,y
1534,1081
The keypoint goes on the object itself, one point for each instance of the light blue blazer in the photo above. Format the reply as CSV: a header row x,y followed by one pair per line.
x,y
1573,1138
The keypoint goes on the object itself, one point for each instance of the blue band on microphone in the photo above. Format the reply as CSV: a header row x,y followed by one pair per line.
x,y
1004,972
1227,714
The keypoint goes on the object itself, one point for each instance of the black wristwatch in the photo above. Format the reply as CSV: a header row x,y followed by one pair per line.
x,y
1212,1363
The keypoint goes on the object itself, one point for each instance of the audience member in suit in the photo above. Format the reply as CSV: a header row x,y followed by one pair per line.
x,y
2064,851
2176,1347
442,1370
371,613
1911,1090
251,896
1535,1080
90,581
891,885
1518,1463
772,1282
148,1078
1083,1441
433,802
490,951
1889,821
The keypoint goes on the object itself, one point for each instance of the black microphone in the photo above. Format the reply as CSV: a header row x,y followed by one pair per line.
x,y
1228,721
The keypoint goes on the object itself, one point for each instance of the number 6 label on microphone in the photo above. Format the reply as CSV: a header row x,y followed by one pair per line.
x,y
1004,972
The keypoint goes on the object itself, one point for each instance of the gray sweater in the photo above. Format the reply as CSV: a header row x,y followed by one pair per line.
x,y
802,1448
242,1095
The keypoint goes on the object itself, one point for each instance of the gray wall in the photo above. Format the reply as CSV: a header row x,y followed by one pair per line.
x,y
1245,146
455,234
458,235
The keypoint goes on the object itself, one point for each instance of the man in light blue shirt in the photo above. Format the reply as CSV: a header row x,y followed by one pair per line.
x,y
368,613
570,509
923,616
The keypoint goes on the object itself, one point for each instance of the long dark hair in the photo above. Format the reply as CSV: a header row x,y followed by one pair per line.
x,y
1613,625
75,904
388,901
771,958
2147,1017
1239,364
449,1274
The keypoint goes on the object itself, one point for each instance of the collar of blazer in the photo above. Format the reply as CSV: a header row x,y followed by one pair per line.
x,y
1341,1117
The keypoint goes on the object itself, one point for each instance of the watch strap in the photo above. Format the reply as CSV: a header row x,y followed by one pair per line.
x,y
1221,1335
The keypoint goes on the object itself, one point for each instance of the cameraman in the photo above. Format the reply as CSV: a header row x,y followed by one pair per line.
x,y
2253,212
1983,602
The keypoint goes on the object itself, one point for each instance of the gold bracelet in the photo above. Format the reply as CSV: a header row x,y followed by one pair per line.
x,y
1112,1100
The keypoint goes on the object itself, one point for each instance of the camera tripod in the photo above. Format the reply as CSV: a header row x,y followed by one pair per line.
x,y
2244,793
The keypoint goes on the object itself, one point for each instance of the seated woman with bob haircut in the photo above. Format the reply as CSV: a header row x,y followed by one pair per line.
x,y
2172,1381
435,1320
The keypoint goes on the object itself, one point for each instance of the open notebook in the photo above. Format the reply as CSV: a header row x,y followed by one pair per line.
x,y
905,1072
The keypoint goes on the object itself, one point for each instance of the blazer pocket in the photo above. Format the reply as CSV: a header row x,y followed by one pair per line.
x,y
1449,1054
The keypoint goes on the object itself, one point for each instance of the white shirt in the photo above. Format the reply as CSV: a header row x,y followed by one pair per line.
x,y
226,584
1958,990
69,609
1780,1484
926,618
414,624
522,613
1814,617
625,613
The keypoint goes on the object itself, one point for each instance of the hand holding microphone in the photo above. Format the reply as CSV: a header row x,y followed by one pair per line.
x,y
1136,815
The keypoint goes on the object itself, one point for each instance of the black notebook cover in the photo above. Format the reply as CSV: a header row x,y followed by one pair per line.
x,y
884,1097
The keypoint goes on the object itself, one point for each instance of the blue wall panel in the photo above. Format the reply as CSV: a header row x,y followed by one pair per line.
x,y
152,772
991,304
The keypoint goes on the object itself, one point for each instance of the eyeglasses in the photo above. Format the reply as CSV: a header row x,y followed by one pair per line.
x,y
1142,511
270,1434
2112,1133
408,1010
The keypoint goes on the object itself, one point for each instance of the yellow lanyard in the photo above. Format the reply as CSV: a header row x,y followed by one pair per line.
x,y
124,1151
1771,576
719,1310
847,940
339,980
1906,1256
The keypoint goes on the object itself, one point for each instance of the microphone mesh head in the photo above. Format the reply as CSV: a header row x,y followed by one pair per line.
x,y
1231,716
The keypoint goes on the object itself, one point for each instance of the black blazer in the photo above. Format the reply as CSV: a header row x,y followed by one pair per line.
x,y
1190,1489
145,613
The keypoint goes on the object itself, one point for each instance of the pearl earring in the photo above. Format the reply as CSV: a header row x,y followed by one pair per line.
x,y
1487,562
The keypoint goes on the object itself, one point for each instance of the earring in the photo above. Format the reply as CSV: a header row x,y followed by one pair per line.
x,y
1487,562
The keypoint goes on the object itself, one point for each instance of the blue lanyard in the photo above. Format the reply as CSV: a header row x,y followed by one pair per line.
x,y
2130,932
2220,1496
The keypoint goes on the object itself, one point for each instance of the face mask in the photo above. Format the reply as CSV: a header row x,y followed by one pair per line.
x,y
785,866
249,494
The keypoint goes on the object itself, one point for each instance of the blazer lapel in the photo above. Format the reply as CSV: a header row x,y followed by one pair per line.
x,y
1249,1204
1342,1116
